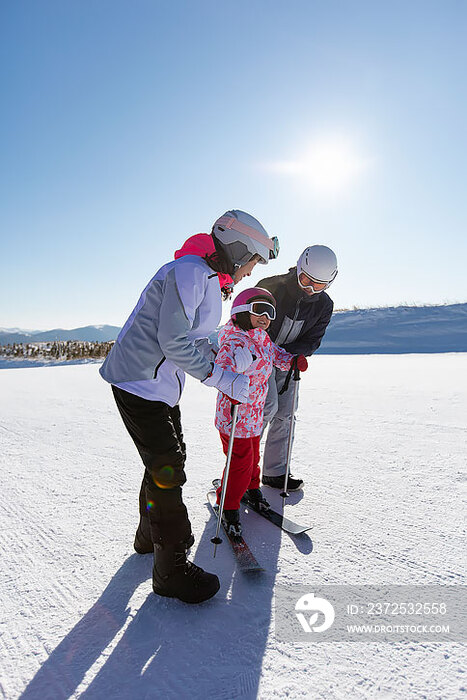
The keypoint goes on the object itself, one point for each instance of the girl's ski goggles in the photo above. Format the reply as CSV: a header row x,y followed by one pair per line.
x,y
257,308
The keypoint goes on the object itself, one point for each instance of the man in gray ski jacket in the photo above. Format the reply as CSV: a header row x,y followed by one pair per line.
x,y
303,313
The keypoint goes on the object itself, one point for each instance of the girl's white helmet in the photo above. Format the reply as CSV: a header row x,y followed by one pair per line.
x,y
241,236
318,262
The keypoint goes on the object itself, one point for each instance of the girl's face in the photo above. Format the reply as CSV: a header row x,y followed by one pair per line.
x,y
260,321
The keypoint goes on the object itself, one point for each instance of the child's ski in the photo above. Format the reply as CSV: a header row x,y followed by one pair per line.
x,y
278,519
243,554
273,516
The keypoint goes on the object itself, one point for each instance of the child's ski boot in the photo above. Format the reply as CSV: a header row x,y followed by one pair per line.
x,y
231,522
257,499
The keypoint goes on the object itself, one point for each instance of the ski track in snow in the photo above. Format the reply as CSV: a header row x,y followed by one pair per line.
x,y
381,443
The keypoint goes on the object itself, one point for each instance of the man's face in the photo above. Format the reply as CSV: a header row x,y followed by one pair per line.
x,y
309,286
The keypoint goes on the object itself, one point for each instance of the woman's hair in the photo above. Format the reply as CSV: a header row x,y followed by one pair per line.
x,y
218,261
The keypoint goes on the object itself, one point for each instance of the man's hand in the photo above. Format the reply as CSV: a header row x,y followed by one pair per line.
x,y
300,362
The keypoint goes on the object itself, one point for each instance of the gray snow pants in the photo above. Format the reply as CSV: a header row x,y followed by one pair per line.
x,y
279,415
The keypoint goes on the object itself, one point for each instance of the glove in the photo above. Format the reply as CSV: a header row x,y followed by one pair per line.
x,y
243,359
236,386
300,362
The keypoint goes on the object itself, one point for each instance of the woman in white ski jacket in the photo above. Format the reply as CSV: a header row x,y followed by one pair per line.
x,y
180,306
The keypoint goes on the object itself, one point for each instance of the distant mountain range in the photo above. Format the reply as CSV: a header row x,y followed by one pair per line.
x,y
397,329
90,333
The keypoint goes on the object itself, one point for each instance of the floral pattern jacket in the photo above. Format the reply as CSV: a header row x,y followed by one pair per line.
x,y
268,355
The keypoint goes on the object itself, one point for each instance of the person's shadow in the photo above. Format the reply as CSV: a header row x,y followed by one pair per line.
x,y
66,667
171,649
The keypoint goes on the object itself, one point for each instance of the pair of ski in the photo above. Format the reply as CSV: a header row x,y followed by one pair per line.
x,y
245,558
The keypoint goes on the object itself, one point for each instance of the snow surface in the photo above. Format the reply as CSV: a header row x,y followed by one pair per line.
x,y
381,442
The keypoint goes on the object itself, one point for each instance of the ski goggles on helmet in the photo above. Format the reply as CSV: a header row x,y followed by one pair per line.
x,y
307,282
274,249
257,308
273,245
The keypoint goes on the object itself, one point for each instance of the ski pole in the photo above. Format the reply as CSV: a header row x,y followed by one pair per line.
x,y
216,539
296,378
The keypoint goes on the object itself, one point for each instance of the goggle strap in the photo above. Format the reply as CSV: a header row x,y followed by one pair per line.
x,y
232,223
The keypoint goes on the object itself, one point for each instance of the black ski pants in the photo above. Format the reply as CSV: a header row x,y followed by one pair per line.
x,y
156,429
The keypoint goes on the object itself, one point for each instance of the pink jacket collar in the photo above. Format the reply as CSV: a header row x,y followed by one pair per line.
x,y
202,244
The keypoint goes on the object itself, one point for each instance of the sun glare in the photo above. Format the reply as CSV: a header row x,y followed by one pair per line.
x,y
329,166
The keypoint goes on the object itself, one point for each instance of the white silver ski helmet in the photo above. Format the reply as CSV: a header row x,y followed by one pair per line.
x,y
319,263
241,236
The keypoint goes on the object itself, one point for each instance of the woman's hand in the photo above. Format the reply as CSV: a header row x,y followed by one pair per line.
x,y
235,386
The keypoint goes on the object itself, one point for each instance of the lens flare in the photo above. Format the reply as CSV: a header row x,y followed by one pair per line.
x,y
165,477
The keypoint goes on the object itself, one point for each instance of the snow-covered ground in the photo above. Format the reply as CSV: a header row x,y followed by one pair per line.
x,y
381,442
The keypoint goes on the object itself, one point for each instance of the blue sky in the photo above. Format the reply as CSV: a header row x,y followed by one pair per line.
x,y
127,126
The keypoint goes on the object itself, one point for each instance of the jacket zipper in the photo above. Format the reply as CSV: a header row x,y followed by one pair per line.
x,y
293,321
157,368
178,378
179,387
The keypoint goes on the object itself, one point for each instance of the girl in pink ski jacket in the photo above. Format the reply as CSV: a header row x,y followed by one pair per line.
x,y
245,347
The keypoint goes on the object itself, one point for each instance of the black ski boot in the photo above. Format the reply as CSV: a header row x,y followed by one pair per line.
x,y
143,543
173,576
257,499
277,482
232,524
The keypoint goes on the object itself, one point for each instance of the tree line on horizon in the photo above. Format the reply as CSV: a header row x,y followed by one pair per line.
x,y
57,350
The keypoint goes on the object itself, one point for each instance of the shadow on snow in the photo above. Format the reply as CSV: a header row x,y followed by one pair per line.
x,y
170,649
